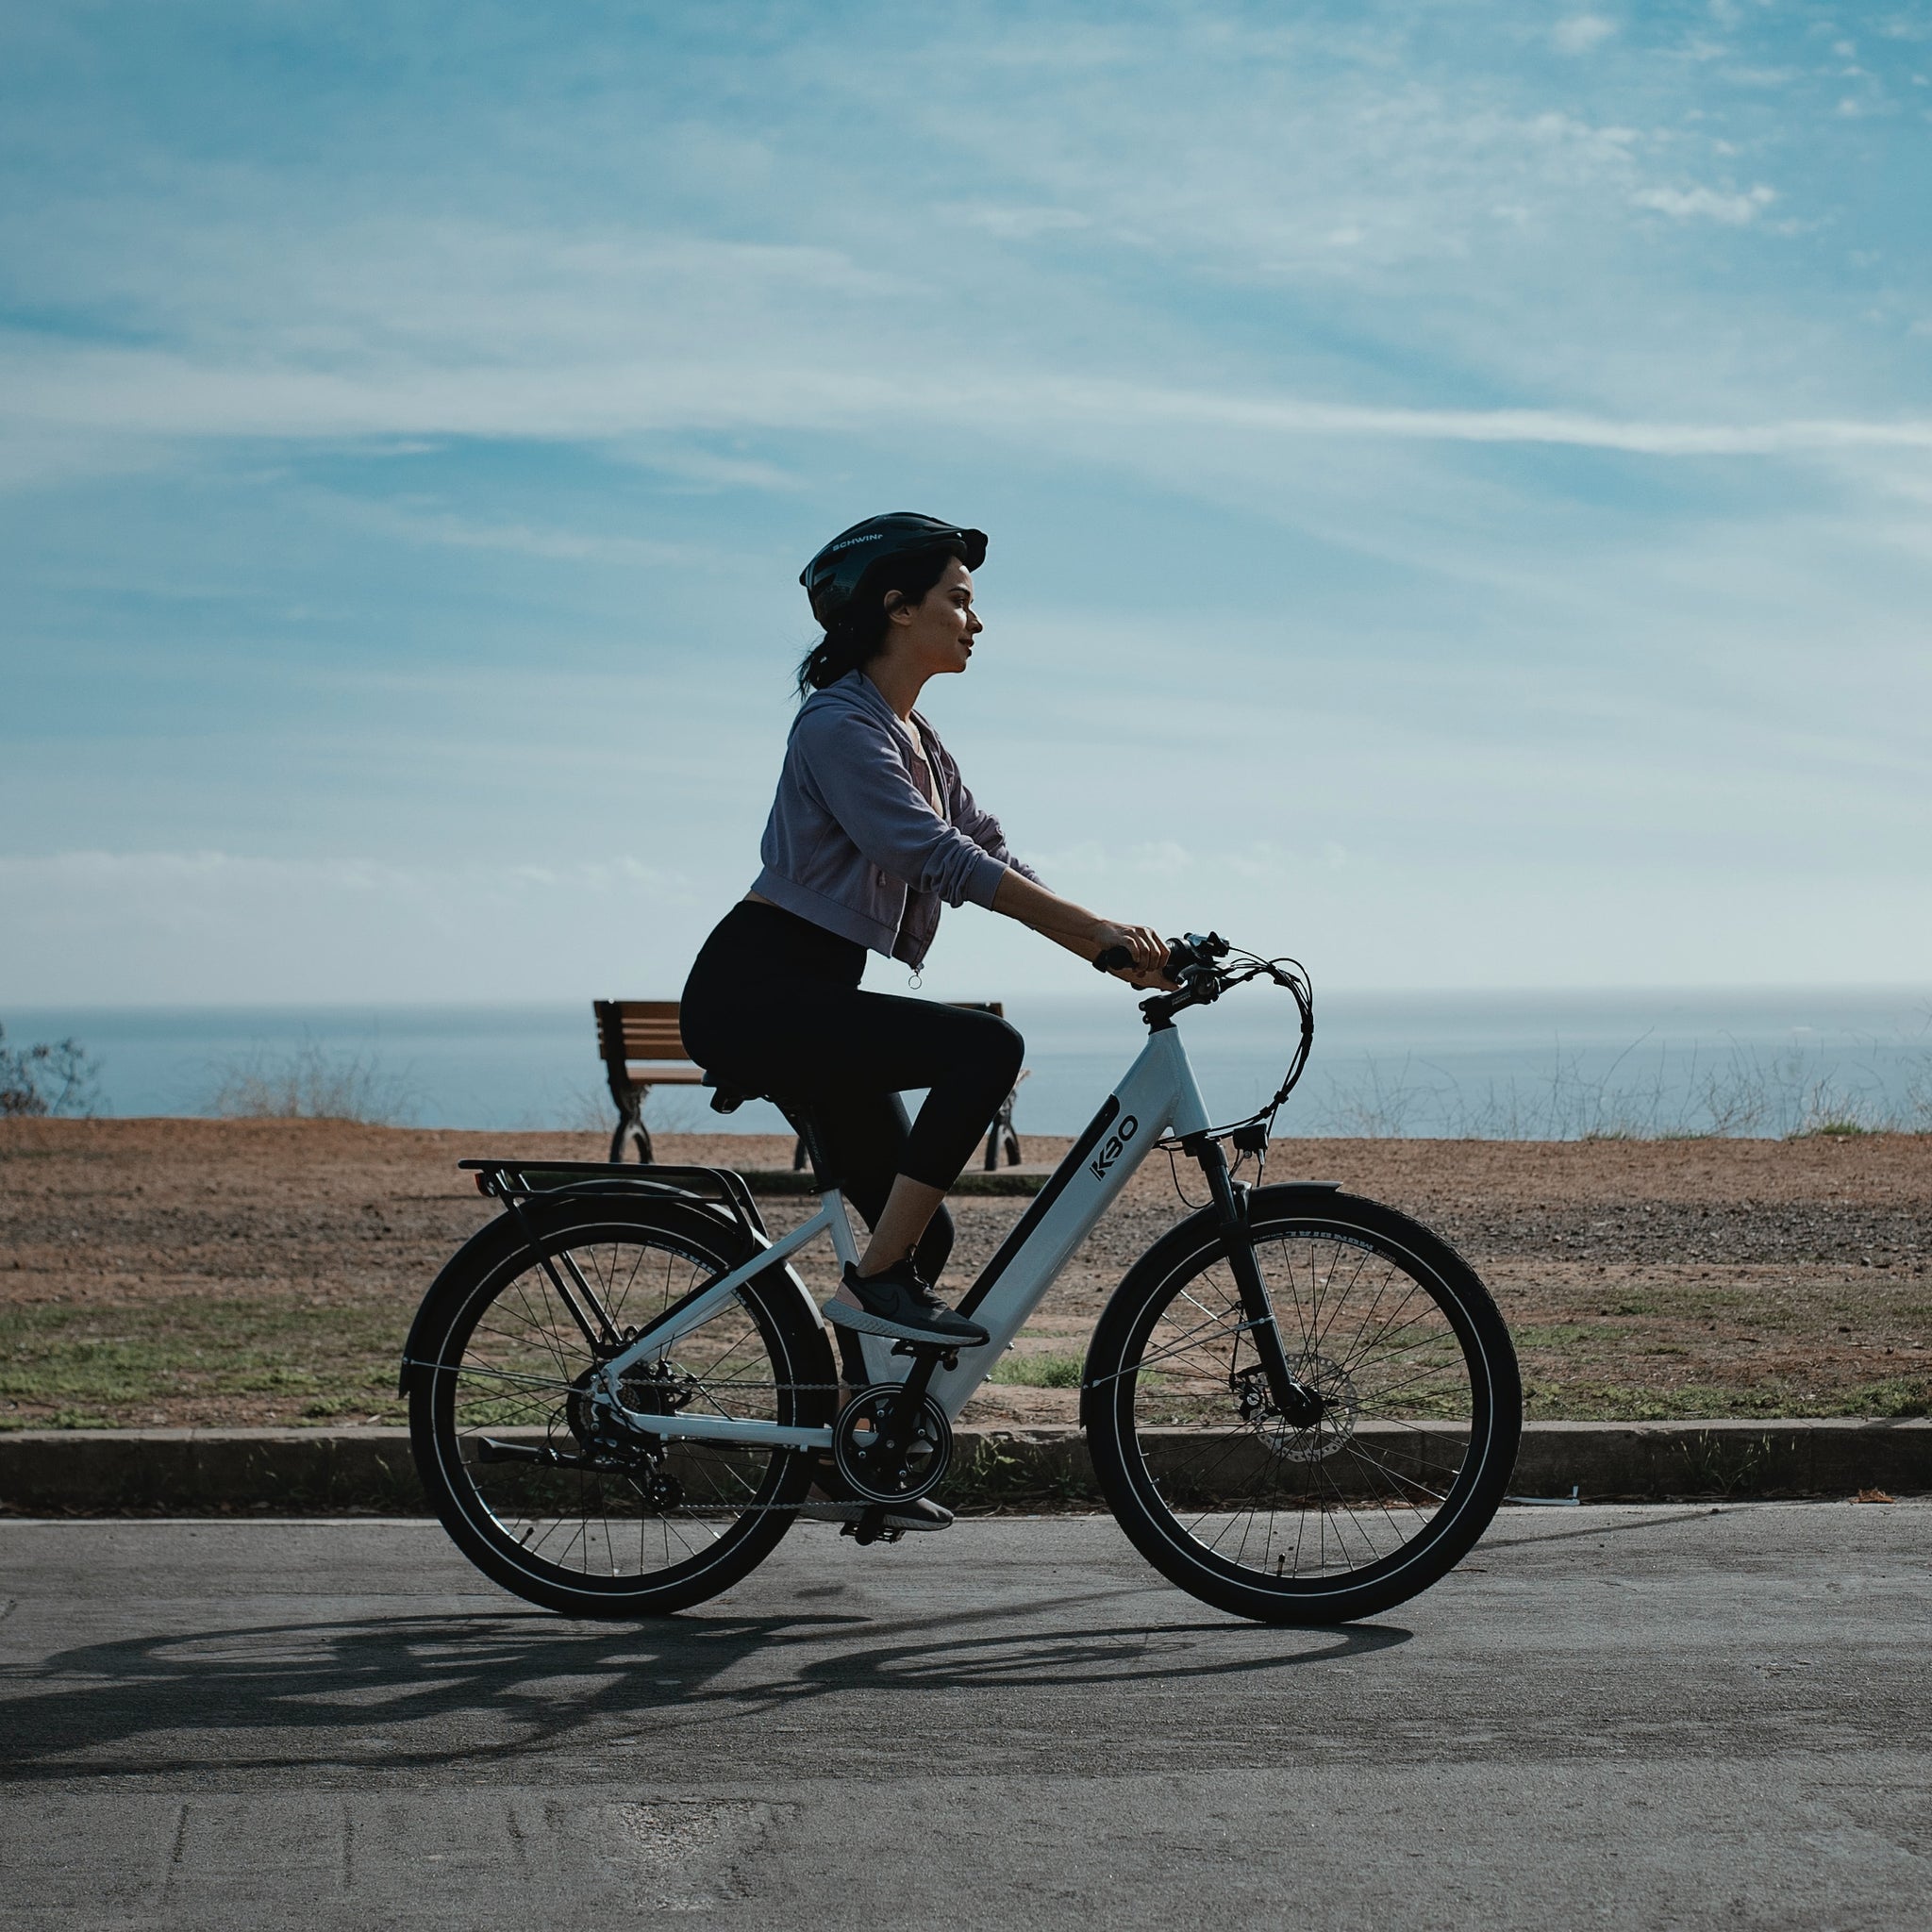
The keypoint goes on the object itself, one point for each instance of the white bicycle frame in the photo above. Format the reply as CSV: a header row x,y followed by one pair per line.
x,y
1157,1096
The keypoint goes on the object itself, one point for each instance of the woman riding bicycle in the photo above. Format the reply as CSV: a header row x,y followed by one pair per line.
x,y
872,829
1302,1407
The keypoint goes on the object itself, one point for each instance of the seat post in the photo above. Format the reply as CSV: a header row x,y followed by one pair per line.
x,y
812,1143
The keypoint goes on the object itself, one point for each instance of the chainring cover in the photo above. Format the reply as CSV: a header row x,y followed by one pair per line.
x,y
876,1470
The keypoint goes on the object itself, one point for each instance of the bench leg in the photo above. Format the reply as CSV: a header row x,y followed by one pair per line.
x,y
631,1121
1001,1134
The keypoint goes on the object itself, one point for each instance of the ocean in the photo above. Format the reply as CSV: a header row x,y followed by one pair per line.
x,y
1515,1065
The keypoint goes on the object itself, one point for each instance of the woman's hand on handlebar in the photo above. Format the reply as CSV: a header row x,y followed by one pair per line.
x,y
1145,949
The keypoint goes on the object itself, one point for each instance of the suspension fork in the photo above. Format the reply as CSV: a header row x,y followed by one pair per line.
x,y
1294,1400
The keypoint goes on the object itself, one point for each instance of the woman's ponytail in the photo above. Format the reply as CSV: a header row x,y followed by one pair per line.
x,y
858,635
845,647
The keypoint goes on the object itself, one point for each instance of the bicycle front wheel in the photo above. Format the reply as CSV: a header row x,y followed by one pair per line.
x,y
1376,1499
531,1481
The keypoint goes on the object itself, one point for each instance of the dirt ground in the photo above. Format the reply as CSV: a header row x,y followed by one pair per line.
x,y
263,1271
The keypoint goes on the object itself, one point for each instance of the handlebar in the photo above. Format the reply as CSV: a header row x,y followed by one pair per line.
x,y
1197,977
1198,981
1196,950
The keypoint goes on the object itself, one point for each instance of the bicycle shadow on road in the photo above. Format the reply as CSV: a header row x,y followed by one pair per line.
x,y
413,1693
1127,1651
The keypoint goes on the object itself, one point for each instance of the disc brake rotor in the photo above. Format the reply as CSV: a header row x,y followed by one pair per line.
x,y
1333,1429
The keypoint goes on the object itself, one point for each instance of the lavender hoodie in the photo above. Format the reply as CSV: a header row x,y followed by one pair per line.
x,y
854,843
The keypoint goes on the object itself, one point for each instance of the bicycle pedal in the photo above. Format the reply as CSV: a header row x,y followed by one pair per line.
x,y
948,1355
870,1528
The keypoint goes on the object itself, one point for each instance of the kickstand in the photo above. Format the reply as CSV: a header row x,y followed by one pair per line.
x,y
871,1528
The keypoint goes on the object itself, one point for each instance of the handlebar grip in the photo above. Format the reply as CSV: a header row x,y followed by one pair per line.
x,y
1113,959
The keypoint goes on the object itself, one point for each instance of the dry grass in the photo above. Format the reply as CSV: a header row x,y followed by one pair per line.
x,y
264,1271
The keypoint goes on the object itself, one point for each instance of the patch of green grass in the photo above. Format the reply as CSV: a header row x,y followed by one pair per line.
x,y
116,1366
1041,1370
1566,1337
1896,1398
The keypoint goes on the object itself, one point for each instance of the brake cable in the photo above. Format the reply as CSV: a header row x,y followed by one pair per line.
x,y
1250,1134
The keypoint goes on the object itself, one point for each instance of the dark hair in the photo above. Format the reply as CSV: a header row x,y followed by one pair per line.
x,y
857,634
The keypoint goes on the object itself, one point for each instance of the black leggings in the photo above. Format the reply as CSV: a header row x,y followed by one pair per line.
x,y
772,1005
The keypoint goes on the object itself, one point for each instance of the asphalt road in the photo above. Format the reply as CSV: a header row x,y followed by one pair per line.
x,y
1632,1717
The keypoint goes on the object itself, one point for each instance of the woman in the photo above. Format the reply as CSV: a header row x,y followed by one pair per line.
x,y
872,829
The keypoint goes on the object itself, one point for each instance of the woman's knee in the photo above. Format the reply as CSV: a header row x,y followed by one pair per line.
x,y
998,1049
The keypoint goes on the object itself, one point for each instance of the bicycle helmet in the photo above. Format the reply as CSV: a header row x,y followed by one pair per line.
x,y
831,580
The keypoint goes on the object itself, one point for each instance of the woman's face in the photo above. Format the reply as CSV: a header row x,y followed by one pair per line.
x,y
937,633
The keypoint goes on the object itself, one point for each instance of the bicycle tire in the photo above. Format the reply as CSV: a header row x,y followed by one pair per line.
x,y
518,1381
1399,1478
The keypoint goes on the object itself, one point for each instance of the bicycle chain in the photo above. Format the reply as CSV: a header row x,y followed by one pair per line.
x,y
757,1508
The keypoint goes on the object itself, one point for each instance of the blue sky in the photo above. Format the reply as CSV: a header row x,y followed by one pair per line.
x,y
1459,478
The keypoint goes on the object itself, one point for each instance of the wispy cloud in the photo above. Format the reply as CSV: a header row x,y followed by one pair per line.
x,y
1450,438
173,396
1582,33
1706,204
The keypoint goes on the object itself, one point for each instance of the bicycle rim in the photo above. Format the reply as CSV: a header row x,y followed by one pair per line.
x,y
1383,1490
648,1517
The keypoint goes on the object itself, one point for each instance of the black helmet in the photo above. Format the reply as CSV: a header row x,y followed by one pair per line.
x,y
831,580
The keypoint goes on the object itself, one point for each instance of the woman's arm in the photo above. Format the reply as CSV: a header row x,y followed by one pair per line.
x,y
967,813
1080,931
860,775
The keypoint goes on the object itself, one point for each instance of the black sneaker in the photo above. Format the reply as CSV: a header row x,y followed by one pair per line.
x,y
897,1301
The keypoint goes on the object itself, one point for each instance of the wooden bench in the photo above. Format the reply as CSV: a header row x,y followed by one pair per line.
x,y
641,1048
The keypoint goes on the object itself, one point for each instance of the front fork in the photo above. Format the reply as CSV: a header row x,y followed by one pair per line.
x,y
1297,1404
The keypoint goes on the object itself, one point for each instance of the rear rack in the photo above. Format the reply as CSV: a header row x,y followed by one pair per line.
x,y
511,1181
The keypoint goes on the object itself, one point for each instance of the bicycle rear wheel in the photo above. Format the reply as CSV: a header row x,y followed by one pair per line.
x,y
1376,1499
533,1485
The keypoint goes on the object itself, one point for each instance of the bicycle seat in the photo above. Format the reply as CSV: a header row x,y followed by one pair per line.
x,y
727,1098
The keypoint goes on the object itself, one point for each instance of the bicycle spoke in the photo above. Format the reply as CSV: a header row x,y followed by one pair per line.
x,y
1351,1490
646,1505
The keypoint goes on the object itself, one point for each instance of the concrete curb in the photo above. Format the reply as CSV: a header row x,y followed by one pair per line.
x,y
296,1471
